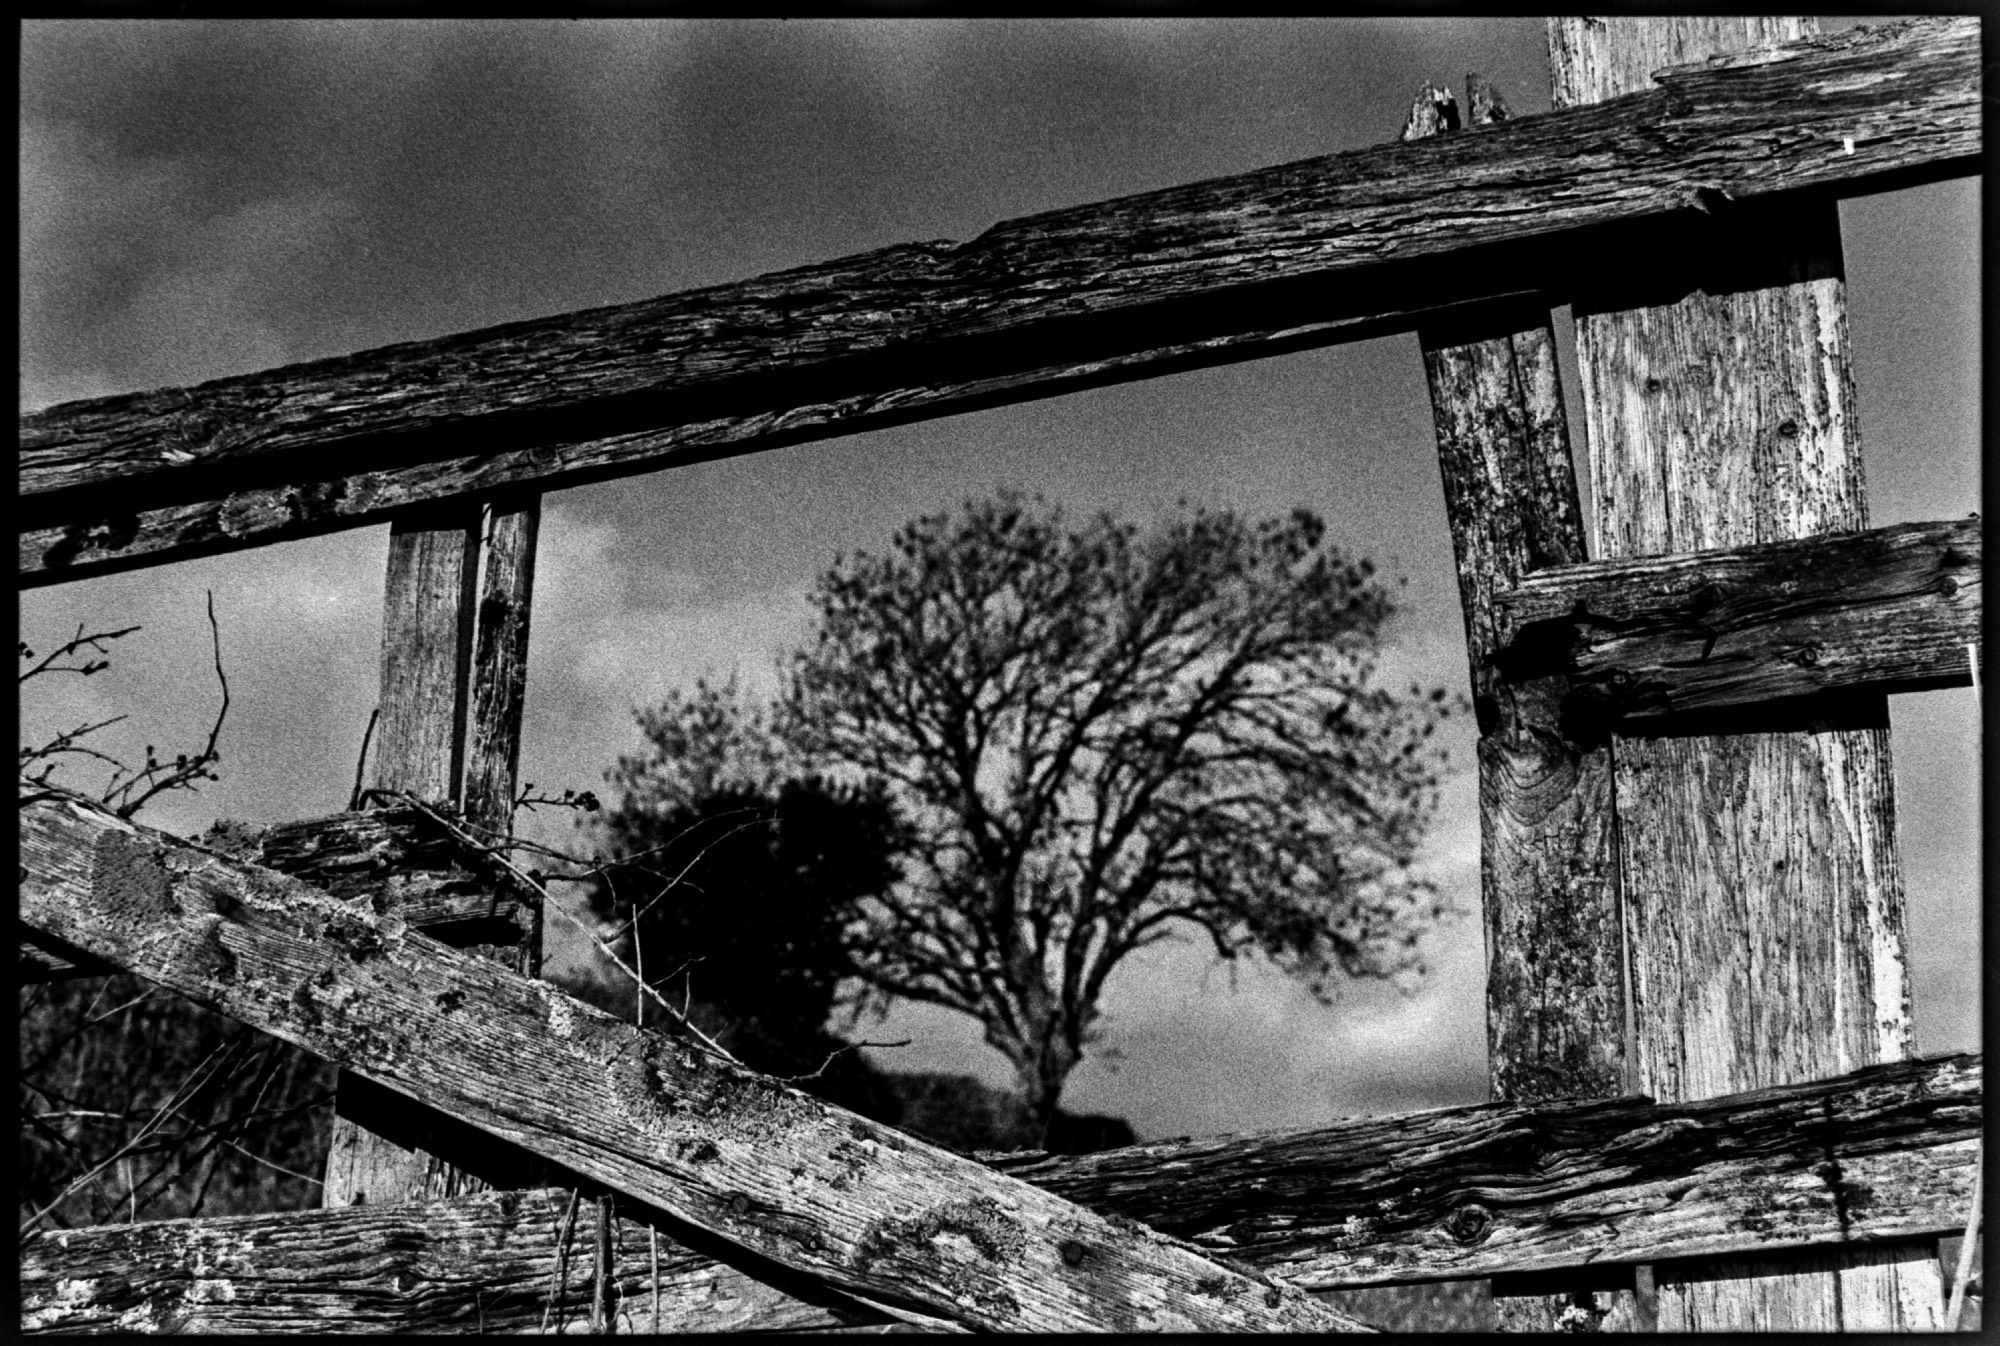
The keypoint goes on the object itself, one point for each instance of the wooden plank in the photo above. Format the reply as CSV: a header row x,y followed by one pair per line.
x,y
1555,976
1888,609
1763,894
1291,256
491,1262
1584,1189
500,667
428,611
760,1165
427,614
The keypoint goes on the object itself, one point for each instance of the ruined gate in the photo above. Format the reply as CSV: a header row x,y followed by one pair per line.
x,y
1787,1167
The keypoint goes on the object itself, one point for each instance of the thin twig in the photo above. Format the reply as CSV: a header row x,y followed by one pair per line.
x,y
1968,1244
190,1085
836,1053
94,641
361,761
557,1281
548,901
185,769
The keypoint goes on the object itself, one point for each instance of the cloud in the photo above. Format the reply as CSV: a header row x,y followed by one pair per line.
x,y
132,278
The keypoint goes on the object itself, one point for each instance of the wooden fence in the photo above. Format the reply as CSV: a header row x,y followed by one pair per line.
x,y
1698,1011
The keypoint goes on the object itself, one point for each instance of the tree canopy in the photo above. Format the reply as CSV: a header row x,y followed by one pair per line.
x,y
1093,738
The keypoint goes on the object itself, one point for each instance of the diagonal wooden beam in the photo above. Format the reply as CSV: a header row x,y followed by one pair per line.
x,y
1292,256
1883,609
1586,1188
764,1167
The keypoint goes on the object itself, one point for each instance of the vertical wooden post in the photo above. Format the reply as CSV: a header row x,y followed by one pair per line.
x,y
454,653
1548,867
1762,895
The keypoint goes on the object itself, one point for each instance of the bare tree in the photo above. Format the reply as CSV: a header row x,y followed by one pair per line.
x,y
1099,738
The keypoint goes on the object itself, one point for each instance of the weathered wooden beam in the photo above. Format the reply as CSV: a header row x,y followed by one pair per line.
x,y
1888,609
1555,989
744,1157
398,860
395,859
1493,1189
1296,255
429,609
1762,888
499,676
491,1262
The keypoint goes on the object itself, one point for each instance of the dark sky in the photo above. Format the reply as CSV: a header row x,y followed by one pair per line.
x,y
205,199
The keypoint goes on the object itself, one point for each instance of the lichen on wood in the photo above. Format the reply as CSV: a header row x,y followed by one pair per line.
x,y
746,1158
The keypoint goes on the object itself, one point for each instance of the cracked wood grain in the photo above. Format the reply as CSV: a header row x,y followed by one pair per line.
x,y
1555,992
755,1163
1487,1190
1296,255
1762,888
454,649
1885,609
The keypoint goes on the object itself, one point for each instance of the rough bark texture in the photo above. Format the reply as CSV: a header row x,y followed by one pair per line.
x,y
1763,897
1887,609
1502,1188
1290,256
1555,994
750,1160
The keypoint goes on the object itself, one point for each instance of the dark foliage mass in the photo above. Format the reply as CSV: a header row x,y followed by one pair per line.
x,y
732,908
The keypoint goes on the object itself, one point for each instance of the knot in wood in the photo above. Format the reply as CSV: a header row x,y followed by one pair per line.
x,y
1469,1223
1273,1297
1072,1252
1704,598
739,1204
1947,586
1807,656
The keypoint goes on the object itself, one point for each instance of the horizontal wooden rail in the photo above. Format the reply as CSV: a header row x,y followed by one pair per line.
x,y
1889,609
1296,255
493,1262
1495,1190
758,1165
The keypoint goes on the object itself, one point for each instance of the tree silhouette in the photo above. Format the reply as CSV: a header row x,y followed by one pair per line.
x,y
1097,739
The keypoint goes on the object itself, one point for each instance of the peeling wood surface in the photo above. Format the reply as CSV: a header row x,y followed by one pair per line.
x,y
746,1158
1763,891
1290,256
1489,1190
1889,609
393,860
